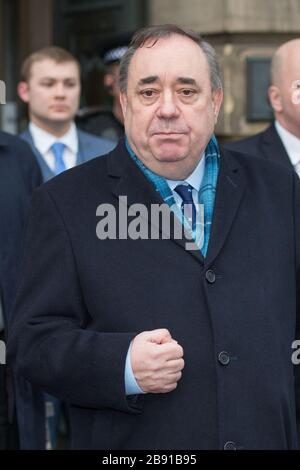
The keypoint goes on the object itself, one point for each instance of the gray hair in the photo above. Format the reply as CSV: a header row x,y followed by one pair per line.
x,y
164,31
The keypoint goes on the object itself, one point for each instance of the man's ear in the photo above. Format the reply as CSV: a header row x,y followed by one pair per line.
x,y
275,98
108,80
217,97
23,91
123,101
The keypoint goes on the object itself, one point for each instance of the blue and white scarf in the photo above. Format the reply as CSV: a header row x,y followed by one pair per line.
x,y
206,194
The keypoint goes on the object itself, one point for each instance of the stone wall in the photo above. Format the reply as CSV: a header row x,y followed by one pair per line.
x,y
232,16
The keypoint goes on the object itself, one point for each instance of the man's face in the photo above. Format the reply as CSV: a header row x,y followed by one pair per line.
x,y
285,96
169,108
52,92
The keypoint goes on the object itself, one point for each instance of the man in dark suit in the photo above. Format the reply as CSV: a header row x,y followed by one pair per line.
x,y
280,142
50,86
19,175
159,339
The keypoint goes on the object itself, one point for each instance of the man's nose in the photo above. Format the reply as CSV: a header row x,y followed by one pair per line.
x,y
168,106
60,90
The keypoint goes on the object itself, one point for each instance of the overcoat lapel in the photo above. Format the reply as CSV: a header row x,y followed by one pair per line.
x,y
230,189
272,147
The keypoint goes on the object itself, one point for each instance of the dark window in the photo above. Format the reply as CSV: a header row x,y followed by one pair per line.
x,y
258,80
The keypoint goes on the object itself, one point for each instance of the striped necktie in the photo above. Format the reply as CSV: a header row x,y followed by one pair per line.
x,y
188,208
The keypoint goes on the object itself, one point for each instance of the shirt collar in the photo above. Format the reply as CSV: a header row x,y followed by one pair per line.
x,y
290,142
195,178
43,140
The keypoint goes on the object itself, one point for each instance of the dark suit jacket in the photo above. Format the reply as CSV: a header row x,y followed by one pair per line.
x,y
30,402
19,175
266,144
89,146
235,313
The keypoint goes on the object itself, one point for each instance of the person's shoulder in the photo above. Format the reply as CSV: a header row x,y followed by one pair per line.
x,y
252,144
95,140
16,147
7,139
244,145
255,164
101,117
80,178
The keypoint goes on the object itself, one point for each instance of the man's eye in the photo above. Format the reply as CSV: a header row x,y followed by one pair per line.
x,y
187,92
148,93
70,84
47,84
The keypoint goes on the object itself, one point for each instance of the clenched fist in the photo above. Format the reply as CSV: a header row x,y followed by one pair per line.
x,y
157,361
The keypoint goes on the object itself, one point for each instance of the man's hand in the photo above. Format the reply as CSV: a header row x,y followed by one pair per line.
x,y
157,361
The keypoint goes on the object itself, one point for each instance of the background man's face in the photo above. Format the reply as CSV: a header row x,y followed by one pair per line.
x,y
289,84
284,93
169,108
52,91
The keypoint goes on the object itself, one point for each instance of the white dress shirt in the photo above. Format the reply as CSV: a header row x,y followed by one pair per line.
x,y
195,180
291,144
43,141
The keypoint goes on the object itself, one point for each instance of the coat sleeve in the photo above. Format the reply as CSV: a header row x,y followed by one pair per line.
x,y
49,342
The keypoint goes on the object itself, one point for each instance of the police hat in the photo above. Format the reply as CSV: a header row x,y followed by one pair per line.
x,y
113,49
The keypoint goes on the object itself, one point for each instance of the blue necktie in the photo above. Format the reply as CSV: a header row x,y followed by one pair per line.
x,y
58,150
185,191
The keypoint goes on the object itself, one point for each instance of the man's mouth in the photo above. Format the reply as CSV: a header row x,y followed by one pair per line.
x,y
59,108
168,133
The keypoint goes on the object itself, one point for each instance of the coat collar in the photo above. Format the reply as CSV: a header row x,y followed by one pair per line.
x,y
272,146
231,186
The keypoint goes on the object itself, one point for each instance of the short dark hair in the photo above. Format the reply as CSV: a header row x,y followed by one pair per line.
x,y
57,54
164,31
